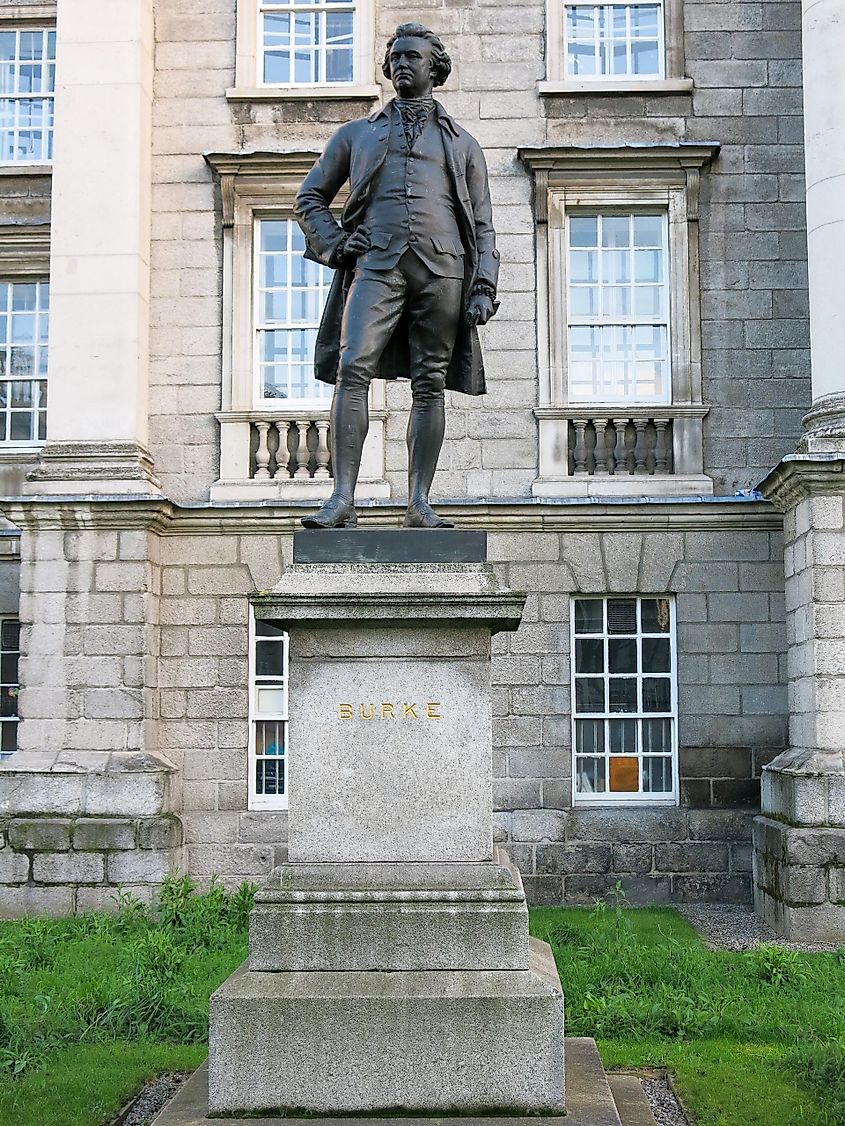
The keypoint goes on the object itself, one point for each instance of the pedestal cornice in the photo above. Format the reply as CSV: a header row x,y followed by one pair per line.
x,y
802,475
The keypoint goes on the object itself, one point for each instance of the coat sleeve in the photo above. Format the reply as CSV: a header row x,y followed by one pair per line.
x,y
479,194
322,231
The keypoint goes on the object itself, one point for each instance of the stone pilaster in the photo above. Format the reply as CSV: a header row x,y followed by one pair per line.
x,y
799,841
100,252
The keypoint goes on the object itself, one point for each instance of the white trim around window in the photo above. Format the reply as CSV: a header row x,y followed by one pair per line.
x,y
268,716
642,402
27,92
631,46
303,49
624,700
24,319
10,648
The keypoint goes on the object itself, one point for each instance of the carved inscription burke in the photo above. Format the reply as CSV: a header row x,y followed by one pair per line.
x,y
431,710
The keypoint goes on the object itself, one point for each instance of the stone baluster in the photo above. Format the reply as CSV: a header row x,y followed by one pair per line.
x,y
640,446
620,456
580,451
601,456
282,455
303,454
262,454
661,449
322,471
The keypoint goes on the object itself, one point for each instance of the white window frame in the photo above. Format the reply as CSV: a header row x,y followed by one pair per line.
x,y
629,75
599,322
249,60
317,402
256,801
627,177
10,445
670,81
626,798
22,26
9,720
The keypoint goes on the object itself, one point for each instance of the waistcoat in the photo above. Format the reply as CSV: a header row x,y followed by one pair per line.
x,y
412,204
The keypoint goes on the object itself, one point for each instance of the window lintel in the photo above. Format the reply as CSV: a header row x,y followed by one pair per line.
x,y
25,253
677,164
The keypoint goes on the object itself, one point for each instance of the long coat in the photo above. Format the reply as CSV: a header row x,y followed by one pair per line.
x,y
356,152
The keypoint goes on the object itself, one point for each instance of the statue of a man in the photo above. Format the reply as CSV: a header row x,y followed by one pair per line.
x,y
417,265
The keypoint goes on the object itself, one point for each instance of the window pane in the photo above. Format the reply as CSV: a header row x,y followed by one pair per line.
x,y
655,615
657,775
624,775
10,634
622,615
589,656
589,736
583,230
622,655
589,694
589,615
657,694
268,629
269,658
656,655
270,701
623,736
590,776
623,695
657,736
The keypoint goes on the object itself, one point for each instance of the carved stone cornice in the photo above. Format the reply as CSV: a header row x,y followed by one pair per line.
x,y
803,475
271,174
272,518
678,162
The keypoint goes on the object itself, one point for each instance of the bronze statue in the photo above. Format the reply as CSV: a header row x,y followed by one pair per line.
x,y
417,265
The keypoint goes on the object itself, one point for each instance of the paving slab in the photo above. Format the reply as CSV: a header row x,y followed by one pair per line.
x,y
588,1097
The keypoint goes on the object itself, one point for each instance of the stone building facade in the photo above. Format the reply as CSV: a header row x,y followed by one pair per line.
x,y
614,463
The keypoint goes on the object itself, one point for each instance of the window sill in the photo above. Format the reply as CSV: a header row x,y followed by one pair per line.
x,y
21,168
650,87
300,93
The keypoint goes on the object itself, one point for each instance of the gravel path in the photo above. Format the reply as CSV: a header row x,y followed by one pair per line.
x,y
727,926
152,1098
664,1106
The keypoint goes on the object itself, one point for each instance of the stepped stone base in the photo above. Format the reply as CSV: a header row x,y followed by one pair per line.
x,y
472,1041
389,917
591,1101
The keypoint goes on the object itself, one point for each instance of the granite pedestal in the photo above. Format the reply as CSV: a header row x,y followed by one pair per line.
x,y
390,968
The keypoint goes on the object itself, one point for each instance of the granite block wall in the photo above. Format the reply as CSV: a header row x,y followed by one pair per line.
x,y
744,59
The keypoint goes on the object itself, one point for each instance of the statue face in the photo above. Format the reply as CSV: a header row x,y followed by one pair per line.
x,y
410,67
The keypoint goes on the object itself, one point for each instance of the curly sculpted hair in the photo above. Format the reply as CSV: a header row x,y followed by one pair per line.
x,y
441,64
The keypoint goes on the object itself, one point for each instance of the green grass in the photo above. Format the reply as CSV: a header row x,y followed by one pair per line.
x,y
92,1007
754,1038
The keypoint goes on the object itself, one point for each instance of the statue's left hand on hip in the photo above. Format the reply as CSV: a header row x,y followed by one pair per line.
x,y
479,310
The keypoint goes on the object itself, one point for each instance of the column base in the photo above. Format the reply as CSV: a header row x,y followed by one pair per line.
x,y
457,1041
824,426
799,880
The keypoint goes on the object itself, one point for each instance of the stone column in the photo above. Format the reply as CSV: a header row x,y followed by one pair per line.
x,y
799,841
100,251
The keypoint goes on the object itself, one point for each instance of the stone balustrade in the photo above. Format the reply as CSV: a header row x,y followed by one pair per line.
x,y
290,446
617,445
610,450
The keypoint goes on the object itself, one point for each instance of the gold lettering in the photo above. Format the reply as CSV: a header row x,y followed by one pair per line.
x,y
432,711
387,711
363,713
344,711
409,711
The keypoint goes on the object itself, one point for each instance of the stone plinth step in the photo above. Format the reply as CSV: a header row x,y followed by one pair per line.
x,y
390,545
589,1102
631,1102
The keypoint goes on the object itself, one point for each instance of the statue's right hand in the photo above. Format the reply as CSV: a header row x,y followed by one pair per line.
x,y
357,243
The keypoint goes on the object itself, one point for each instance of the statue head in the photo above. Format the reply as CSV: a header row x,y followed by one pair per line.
x,y
415,60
